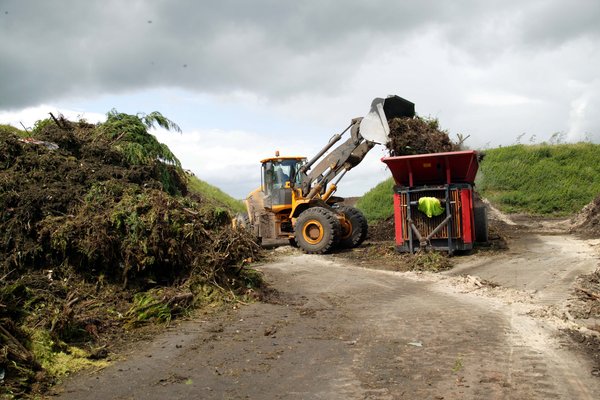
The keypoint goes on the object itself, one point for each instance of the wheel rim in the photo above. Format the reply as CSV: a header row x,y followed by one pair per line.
x,y
346,228
313,231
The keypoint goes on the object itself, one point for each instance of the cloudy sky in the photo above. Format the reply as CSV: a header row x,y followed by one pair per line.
x,y
246,78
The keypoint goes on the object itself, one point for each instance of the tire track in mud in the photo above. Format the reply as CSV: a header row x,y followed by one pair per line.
x,y
427,345
469,348
343,332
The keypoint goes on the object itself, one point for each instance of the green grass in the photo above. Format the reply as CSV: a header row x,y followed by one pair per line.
x,y
209,191
9,129
378,203
541,179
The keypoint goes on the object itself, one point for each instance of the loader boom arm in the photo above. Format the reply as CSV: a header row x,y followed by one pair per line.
x,y
364,134
340,160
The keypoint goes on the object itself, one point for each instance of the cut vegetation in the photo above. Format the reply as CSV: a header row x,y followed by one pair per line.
x,y
101,233
418,135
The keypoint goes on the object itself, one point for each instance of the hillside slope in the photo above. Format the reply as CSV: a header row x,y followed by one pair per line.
x,y
215,195
541,179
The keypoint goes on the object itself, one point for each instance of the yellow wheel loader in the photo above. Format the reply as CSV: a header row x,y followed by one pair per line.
x,y
295,200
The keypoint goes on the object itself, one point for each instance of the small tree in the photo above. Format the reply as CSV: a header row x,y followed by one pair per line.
x,y
129,135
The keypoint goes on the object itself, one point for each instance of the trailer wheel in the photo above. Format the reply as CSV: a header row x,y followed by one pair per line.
x,y
358,227
317,230
481,224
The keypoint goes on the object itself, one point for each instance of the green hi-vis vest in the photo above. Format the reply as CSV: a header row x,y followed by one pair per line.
x,y
430,206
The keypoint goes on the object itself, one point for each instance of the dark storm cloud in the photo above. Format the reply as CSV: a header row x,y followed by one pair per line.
x,y
52,49
555,23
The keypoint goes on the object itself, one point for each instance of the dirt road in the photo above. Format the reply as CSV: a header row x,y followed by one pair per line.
x,y
337,331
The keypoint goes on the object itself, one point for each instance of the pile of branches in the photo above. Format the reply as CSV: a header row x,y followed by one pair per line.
x,y
383,230
588,292
418,136
588,219
90,215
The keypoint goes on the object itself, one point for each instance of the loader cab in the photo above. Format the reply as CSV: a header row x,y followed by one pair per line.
x,y
279,175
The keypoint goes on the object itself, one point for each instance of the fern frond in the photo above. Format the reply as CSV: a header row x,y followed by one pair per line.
x,y
157,118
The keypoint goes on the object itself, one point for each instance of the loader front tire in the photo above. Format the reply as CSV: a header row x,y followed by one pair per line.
x,y
317,230
358,225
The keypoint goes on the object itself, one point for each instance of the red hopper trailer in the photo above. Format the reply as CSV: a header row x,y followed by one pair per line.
x,y
448,177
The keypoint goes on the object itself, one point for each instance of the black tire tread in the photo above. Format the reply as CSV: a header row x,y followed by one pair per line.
x,y
330,223
481,224
359,224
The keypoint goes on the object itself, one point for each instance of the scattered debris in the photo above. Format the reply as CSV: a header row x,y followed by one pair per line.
x,y
477,282
433,261
587,221
587,303
48,145
384,230
592,294
270,331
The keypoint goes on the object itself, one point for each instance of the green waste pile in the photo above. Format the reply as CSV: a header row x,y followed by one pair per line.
x,y
418,136
98,235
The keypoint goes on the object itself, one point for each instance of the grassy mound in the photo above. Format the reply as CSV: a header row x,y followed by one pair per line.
x,y
100,234
378,203
541,179
215,194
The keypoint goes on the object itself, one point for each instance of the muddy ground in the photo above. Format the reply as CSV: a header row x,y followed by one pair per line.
x,y
505,322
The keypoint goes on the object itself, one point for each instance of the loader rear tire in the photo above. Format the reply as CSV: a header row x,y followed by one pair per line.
x,y
317,230
358,227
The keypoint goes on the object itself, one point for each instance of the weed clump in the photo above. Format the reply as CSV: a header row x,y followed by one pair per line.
x,y
432,261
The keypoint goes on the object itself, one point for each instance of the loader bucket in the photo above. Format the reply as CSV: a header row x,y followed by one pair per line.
x,y
374,126
397,107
